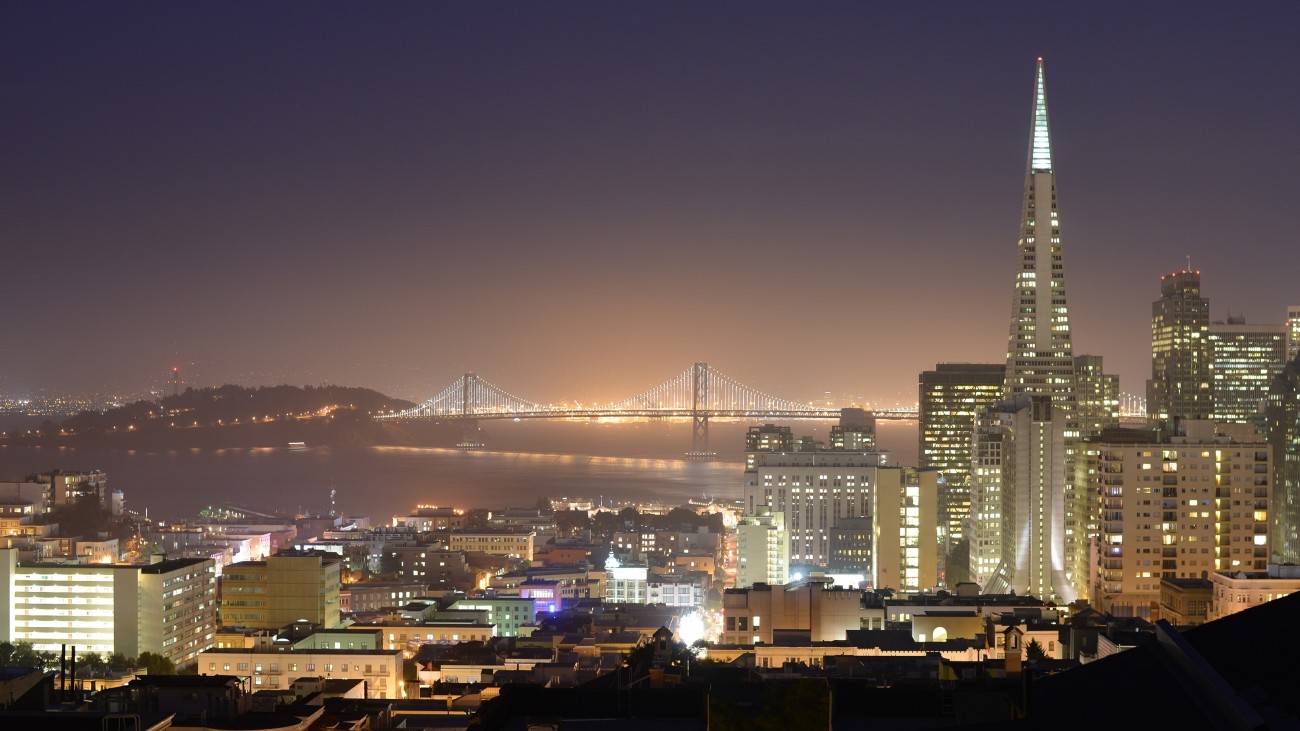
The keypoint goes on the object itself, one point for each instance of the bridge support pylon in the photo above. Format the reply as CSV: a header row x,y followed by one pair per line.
x,y
700,414
470,438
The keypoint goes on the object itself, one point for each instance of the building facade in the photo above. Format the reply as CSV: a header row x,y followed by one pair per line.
x,y
278,668
503,542
1234,591
167,607
1181,385
948,399
1178,507
1282,429
1245,358
905,514
762,548
1292,332
1097,395
813,606
813,487
287,587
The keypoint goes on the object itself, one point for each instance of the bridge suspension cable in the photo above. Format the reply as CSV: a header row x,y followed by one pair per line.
x,y
702,388
470,396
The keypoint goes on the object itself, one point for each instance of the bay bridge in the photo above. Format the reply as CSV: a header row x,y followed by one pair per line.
x,y
698,393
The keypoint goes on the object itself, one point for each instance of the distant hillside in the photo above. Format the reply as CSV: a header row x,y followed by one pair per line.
x,y
235,416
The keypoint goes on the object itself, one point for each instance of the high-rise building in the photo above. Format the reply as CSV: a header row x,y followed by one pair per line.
x,y
904,507
762,548
1244,360
1176,507
949,397
811,486
1098,395
1038,420
986,494
1040,358
1282,427
1181,385
1292,332
167,607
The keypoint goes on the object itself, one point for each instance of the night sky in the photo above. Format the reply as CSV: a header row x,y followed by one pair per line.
x,y
578,200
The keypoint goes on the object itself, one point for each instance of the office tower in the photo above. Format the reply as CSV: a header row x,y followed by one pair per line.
x,y
1282,427
1292,332
1038,418
1097,394
1176,507
1244,360
1181,385
762,548
167,607
949,397
986,494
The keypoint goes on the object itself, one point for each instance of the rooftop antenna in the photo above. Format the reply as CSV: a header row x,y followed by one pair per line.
x,y
1189,262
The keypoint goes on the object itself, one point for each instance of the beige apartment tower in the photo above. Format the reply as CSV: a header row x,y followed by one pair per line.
x,y
1181,507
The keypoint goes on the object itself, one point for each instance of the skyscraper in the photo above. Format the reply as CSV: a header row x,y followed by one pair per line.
x,y
1292,332
1038,420
1181,386
1244,360
1282,424
1098,395
949,397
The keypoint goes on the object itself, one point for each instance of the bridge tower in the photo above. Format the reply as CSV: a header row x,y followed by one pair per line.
x,y
700,413
469,427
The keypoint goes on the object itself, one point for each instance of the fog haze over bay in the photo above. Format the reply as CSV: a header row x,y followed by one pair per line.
x,y
618,463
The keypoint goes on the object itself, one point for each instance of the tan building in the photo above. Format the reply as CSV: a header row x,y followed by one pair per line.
x,y
905,550
812,606
287,587
494,542
167,607
762,548
1185,602
1180,508
1233,591
278,668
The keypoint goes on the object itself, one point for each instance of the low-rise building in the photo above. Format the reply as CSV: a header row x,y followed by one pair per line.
x,y
279,667
1234,591
504,542
812,606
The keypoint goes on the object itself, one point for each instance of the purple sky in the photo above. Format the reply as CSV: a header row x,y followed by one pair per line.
x,y
577,200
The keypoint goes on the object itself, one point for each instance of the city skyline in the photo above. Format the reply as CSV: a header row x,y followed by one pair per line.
x,y
576,201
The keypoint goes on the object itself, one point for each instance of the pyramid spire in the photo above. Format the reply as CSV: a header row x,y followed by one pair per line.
x,y
1040,145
